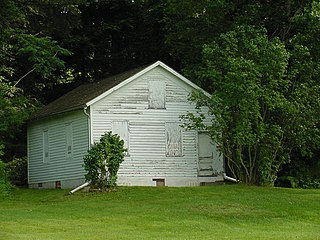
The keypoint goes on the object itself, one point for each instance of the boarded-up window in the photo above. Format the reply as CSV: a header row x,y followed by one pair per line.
x,y
69,144
122,129
157,94
173,140
45,137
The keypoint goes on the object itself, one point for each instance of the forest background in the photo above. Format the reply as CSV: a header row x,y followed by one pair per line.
x,y
260,60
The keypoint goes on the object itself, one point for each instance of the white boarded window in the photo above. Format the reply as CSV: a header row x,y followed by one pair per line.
x,y
122,129
45,144
69,142
157,94
173,140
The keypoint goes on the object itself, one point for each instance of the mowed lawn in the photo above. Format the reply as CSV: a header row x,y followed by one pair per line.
x,y
211,212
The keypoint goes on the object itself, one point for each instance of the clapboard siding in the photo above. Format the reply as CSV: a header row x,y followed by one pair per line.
x,y
59,167
147,141
145,109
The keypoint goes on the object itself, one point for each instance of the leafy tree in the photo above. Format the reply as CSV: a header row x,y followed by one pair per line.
x,y
109,36
21,43
295,25
27,61
247,71
115,36
191,24
103,161
304,72
15,109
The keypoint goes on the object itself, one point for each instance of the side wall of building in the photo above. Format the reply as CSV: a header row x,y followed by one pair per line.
x,y
56,147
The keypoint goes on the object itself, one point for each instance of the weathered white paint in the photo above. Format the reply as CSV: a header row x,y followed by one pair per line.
x,y
210,161
157,94
59,167
146,70
205,152
173,140
122,129
158,147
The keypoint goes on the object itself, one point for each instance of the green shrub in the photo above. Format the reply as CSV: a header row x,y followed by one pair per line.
x,y
309,182
300,173
287,181
17,171
1,149
103,160
5,186
295,182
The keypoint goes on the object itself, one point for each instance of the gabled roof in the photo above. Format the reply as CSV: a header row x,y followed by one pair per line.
x,y
87,94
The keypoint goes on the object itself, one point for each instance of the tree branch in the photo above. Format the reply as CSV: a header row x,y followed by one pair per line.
x,y
24,76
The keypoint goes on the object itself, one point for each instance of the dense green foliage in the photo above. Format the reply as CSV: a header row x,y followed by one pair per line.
x,y
248,75
115,35
17,171
5,185
215,212
265,94
103,160
28,62
262,67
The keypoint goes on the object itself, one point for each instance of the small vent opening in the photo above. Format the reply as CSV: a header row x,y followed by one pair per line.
x,y
160,182
58,184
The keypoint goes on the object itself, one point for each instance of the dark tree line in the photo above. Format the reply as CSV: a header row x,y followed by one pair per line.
x,y
269,49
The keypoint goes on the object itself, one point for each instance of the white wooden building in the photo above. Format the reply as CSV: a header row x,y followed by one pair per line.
x,y
143,106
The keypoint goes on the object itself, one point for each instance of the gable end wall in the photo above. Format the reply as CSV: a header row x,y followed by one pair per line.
x,y
147,160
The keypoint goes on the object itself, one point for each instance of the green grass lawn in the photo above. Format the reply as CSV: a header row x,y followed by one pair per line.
x,y
212,212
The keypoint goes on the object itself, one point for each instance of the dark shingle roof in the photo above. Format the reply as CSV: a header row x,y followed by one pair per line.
x,y
78,97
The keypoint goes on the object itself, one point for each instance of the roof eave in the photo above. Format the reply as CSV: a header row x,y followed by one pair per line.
x,y
42,116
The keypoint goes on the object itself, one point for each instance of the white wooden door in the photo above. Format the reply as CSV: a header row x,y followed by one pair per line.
x,y
205,155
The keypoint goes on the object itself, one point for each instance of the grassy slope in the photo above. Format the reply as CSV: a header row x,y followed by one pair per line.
x,y
217,212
